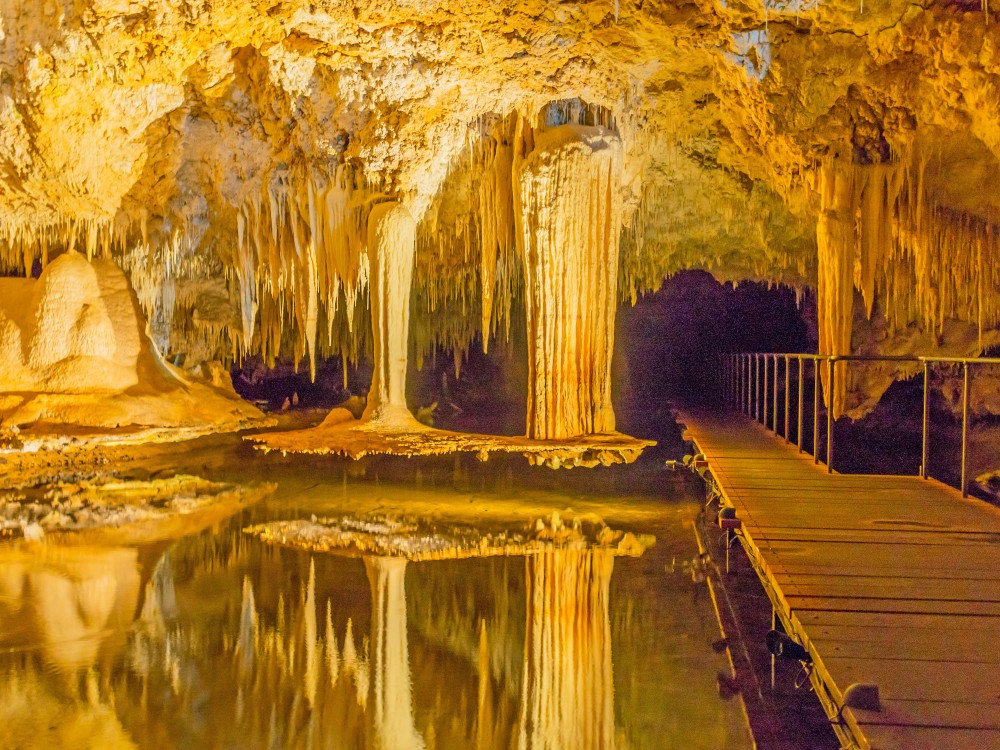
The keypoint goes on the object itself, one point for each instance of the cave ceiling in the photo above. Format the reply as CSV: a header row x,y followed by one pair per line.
x,y
161,132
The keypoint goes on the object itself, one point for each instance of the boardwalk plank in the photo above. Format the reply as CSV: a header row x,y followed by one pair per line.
x,y
889,580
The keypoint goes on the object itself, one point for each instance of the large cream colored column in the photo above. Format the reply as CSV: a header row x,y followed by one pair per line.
x,y
568,211
391,246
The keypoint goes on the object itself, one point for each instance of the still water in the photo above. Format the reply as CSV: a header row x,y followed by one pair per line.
x,y
214,639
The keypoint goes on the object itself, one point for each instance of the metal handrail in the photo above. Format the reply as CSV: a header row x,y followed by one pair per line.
x,y
750,384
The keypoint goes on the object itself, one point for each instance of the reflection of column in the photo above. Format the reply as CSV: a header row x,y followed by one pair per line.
x,y
393,718
566,691
484,712
568,210
73,601
391,245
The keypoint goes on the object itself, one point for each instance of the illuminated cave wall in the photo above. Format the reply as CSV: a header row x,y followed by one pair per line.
x,y
227,153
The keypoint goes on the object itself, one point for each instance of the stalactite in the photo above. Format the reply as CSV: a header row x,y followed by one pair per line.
x,y
496,237
299,261
881,232
835,239
23,243
568,214
467,273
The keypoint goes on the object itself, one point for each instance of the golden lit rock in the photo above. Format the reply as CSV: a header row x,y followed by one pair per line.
x,y
569,217
233,157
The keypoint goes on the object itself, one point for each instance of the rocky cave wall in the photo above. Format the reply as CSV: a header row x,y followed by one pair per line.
x,y
227,153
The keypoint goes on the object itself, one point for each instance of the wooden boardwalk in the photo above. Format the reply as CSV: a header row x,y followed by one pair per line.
x,y
886,580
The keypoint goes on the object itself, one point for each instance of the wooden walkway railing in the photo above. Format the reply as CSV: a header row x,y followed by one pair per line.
x,y
890,583
749,383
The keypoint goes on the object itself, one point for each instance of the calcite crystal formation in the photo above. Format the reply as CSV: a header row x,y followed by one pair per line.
x,y
420,540
391,245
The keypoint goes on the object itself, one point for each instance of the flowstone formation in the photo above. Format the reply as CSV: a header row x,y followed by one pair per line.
x,y
74,353
568,207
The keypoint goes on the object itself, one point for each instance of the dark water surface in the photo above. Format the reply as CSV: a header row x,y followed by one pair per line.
x,y
217,640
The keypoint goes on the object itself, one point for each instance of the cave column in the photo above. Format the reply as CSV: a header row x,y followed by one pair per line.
x,y
391,247
568,214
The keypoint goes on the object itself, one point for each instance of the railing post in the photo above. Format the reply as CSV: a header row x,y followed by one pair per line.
x,y
756,387
734,369
965,425
925,435
749,389
787,386
724,379
728,395
734,389
731,389
738,382
765,394
830,370
774,409
756,391
798,433
747,383
816,410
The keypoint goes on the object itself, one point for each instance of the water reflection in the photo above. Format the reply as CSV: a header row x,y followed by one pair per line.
x,y
361,695
567,688
394,727
65,614
222,642
69,602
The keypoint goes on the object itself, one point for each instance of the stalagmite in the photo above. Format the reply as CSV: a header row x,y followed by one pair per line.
x,y
568,211
567,690
393,714
391,244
